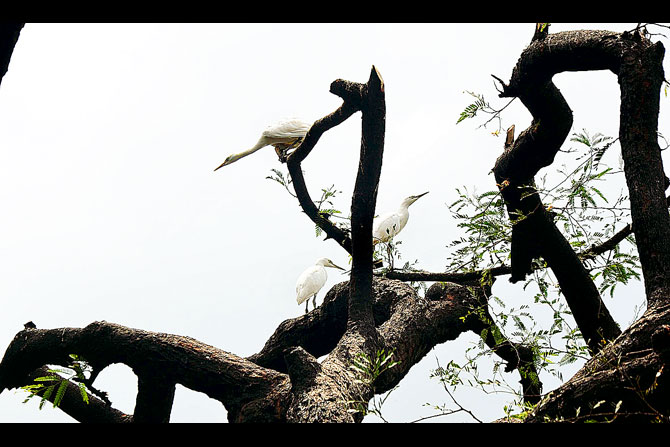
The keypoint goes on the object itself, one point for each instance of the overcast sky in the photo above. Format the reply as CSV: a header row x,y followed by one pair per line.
x,y
109,134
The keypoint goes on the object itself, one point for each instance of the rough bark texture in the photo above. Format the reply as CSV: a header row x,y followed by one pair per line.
x,y
627,379
534,233
296,387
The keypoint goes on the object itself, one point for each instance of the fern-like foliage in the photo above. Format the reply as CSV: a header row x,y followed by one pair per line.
x,y
586,214
367,368
57,382
471,110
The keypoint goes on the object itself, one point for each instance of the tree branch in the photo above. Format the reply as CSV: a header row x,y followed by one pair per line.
x,y
96,411
534,234
466,277
155,358
300,153
363,202
9,35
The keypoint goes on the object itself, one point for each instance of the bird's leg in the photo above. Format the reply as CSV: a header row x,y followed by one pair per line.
x,y
306,305
389,252
314,302
280,149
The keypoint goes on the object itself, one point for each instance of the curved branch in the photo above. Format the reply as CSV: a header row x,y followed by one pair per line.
x,y
534,234
352,94
96,411
319,331
637,62
157,359
299,154
369,99
409,326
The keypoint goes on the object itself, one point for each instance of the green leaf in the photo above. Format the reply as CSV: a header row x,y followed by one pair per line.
x,y
471,110
48,379
84,394
60,393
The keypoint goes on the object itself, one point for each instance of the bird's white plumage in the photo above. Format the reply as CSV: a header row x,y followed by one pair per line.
x,y
312,280
283,135
388,225
287,128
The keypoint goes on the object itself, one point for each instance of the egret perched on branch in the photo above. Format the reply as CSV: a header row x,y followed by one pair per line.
x,y
284,135
386,226
312,280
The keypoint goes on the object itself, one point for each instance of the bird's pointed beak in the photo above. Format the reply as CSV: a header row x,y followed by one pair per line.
x,y
230,159
336,266
415,198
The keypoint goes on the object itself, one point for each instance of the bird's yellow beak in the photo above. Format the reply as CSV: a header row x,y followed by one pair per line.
x,y
227,161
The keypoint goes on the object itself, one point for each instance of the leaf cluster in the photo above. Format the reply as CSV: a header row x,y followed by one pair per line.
x,y
57,381
583,211
367,369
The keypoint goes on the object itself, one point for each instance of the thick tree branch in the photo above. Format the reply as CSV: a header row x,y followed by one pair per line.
x,y
363,202
319,331
295,159
156,358
640,79
9,35
248,391
627,379
449,310
534,234
637,62
456,277
155,397
96,411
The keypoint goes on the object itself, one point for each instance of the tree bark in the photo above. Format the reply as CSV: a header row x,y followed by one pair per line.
x,y
282,383
534,233
9,35
627,378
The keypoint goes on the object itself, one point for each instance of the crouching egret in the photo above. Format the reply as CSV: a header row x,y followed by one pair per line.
x,y
284,135
386,226
312,280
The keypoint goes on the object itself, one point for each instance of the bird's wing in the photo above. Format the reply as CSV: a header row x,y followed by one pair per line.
x,y
309,282
386,226
290,128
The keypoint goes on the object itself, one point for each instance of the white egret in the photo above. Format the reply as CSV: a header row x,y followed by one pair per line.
x,y
284,135
312,280
388,225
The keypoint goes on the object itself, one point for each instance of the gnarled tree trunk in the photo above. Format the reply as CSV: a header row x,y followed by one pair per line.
x,y
628,372
286,382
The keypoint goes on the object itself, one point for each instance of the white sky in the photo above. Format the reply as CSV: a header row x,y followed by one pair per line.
x,y
110,210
